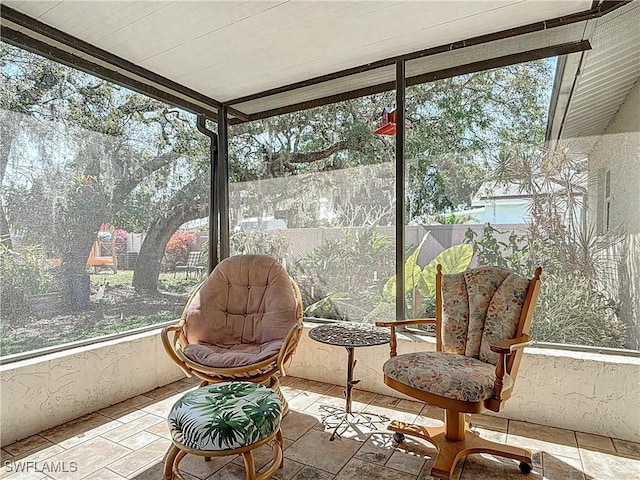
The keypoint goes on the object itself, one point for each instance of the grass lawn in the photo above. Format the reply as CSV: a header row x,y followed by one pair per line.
x,y
114,307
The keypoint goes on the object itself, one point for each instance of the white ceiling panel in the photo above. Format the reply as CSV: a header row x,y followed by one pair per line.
x,y
230,49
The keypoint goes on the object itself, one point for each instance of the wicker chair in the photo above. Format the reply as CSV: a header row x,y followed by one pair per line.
x,y
482,324
243,322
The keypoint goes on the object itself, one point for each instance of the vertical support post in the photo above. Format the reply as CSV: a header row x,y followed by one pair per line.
x,y
223,180
213,191
400,190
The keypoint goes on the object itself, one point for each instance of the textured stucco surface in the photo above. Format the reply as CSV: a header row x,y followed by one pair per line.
x,y
589,392
47,391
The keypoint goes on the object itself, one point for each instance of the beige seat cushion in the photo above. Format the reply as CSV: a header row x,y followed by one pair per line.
x,y
231,356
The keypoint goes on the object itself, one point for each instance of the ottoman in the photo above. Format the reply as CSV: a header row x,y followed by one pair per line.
x,y
230,418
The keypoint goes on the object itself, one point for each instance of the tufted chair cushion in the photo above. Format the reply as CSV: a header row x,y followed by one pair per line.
x,y
479,307
225,416
242,313
448,375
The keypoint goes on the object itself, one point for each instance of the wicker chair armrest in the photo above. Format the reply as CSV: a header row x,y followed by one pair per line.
x,y
169,346
289,346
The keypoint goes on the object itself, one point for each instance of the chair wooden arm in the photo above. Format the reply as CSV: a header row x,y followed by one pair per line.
x,y
506,348
393,342
403,323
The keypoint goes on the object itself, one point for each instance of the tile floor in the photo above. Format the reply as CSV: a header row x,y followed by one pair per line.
x,y
129,440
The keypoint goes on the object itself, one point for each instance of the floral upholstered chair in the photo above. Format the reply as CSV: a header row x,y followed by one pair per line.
x,y
243,322
482,324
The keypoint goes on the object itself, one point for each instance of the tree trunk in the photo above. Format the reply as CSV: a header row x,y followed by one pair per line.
x,y
147,272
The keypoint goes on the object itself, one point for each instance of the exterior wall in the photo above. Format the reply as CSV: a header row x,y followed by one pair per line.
x,y
618,150
588,392
47,391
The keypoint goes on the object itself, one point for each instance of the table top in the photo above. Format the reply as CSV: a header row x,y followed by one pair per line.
x,y
350,334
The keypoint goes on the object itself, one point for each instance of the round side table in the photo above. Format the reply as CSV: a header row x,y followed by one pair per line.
x,y
350,335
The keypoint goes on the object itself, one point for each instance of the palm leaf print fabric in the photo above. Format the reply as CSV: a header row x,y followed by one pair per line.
x,y
225,416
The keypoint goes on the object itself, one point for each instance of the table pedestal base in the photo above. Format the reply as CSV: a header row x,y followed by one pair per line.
x,y
340,420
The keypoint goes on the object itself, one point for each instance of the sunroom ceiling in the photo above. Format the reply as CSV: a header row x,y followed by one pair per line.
x,y
229,51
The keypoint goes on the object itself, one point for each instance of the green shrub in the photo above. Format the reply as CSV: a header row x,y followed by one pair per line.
x,y
570,311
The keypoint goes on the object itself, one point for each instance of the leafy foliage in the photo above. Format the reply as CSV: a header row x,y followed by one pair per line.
x,y
339,278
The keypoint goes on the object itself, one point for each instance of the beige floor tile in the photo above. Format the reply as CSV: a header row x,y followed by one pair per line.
x,y
385,401
377,449
106,474
561,468
401,416
540,438
155,471
163,392
161,429
488,467
490,423
34,442
29,460
262,457
427,421
407,462
624,447
140,458
120,433
315,449
296,424
432,411
119,409
313,386
356,469
288,471
288,380
595,442
310,473
410,406
303,400
198,467
80,430
491,435
604,466
162,407
230,471
139,440
89,457
26,474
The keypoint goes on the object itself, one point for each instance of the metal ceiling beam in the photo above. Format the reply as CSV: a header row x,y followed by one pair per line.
x,y
537,54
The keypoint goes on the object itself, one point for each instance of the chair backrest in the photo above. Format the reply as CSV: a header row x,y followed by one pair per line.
x,y
480,306
247,299
193,259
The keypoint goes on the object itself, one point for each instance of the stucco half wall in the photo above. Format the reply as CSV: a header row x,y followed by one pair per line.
x,y
588,392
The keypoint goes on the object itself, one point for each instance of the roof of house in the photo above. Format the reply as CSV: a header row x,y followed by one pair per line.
x,y
591,85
